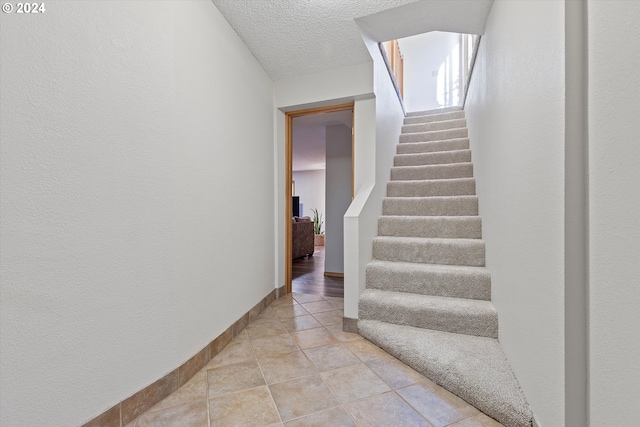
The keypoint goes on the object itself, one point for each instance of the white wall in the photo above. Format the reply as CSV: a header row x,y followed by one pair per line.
x,y
614,211
515,114
375,147
338,195
310,186
348,84
326,88
423,55
122,205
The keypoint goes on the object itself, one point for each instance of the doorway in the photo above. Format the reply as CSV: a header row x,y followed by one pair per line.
x,y
332,120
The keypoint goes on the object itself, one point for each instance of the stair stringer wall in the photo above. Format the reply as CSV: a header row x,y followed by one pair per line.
x,y
378,121
515,112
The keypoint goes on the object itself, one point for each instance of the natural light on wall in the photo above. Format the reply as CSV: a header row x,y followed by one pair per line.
x,y
449,81
436,67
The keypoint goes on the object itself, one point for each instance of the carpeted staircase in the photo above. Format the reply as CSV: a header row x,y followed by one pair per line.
x,y
428,294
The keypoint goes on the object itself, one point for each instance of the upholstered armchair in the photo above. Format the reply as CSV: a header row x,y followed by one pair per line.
x,y
301,237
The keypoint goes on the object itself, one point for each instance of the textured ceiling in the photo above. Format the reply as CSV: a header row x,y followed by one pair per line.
x,y
297,37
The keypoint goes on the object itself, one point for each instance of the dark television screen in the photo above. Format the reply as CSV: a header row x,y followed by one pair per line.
x,y
296,205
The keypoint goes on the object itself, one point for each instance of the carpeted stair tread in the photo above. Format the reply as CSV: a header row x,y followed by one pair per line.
x,y
443,171
427,188
473,368
438,125
435,111
456,315
430,251
436,158
435,135
430,279
430,206
466,227
433,146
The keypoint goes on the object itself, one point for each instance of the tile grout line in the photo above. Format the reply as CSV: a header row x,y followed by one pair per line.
x,y
316,371
391,389
279,321
301,350
342,405
275,405
208,396
411,406
467,419
420,413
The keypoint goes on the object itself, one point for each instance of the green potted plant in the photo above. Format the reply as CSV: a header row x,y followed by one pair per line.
x,y
318,238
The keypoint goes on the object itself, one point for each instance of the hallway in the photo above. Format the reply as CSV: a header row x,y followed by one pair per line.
x,y
294,366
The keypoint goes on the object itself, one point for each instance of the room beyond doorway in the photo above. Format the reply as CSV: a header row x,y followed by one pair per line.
x,y
336,183
308,277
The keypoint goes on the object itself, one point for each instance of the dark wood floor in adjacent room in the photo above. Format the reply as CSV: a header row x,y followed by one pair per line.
x,y
308,276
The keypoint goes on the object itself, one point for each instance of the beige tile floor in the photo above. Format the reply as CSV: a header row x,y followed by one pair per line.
x,y
294,366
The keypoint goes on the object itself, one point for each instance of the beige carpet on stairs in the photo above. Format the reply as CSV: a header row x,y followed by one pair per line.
x,y
428,293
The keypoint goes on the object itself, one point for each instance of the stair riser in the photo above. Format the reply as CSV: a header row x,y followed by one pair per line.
x,y
431,206
462,187
439,158
436,111
405,173
435,227
477,323
437,135
434,146
435,252
429,127
437,283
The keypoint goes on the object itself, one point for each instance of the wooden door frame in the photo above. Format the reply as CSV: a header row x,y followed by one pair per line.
x,y
289,175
